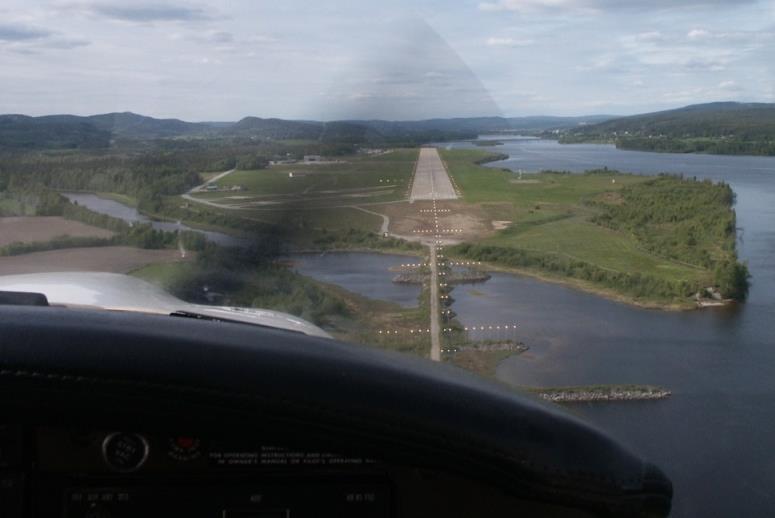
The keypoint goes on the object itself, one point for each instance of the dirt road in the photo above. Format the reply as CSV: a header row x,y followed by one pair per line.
x,y
201,188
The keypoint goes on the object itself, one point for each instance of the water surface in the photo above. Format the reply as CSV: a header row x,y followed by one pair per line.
x,y
132,215
362,273
716,434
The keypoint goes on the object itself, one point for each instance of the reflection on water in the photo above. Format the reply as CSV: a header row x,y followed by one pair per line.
x,y
365,274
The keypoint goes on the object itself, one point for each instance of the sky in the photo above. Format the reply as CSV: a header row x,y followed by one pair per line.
x,y
397,60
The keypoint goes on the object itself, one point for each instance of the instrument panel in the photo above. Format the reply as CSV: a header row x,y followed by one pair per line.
x,y
75,473
105,474
129,452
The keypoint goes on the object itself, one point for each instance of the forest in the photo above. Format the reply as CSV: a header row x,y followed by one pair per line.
x,y
716,146
685,220
717,128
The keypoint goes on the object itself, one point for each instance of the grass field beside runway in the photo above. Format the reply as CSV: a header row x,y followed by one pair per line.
x,y
353,180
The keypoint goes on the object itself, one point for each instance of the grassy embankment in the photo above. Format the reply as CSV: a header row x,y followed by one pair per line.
x,y
647,241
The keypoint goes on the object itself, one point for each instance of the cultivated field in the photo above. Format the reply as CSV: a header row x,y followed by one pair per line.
x,y
44,228
116,259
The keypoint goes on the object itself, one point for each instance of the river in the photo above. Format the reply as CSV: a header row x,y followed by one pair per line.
x,y
716,434
132,215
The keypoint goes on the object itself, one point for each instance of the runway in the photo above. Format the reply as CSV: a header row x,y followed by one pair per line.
x,y
431,181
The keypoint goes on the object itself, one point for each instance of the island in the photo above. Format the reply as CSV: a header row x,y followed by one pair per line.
x,y
657,242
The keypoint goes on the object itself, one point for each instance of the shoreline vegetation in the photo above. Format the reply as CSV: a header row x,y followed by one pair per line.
x,y
720,128
661,144
657,242
593,289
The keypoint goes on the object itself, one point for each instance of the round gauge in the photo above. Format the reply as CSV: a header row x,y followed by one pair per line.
x,y
125,452
184,448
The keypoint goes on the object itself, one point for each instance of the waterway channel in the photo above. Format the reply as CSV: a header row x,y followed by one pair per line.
x,y
132,215
716,434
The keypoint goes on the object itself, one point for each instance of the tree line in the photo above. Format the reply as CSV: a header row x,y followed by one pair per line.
x,y
685,220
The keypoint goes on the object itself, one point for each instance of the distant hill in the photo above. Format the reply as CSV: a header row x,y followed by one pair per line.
x,y
95,131
478,125
53,131
100,131
131,125
717,128
544,123
278,129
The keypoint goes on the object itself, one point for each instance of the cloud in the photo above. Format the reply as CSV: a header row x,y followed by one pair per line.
x,y
526,5
24,39
261,39
418,75
508,42
65,43
697,34
712,64
147,13
10,32
725,89
753,37
603,63
650,36
220,36
704,51
730,86
603,5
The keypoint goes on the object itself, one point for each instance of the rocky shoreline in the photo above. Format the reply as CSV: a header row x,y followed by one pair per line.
x,y
453,277
602,393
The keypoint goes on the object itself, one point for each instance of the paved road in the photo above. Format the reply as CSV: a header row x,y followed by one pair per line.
x,y
201,188
431,181
211,180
